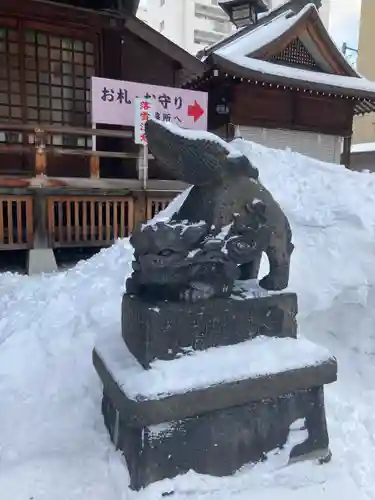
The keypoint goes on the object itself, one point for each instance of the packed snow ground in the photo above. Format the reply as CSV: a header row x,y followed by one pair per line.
x,y
53,444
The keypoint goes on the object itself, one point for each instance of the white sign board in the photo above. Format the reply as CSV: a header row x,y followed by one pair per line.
x,y
143,112
112,103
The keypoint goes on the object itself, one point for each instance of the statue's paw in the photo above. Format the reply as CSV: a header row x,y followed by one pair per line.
x,y
274,283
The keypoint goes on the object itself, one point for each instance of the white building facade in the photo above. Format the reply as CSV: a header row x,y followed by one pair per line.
x,y
196,24
192,24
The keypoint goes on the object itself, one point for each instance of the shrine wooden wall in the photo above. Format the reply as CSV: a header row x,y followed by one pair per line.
x,y
48,54
297,110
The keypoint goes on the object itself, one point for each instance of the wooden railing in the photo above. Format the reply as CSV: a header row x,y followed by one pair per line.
x,y
68,219
88,221
156,205
16,222
37,145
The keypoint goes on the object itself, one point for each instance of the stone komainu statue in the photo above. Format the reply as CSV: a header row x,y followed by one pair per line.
x,y
220,231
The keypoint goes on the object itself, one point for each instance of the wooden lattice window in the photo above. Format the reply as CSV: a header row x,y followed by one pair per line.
x,y
10,82
45,78
58,71
296,54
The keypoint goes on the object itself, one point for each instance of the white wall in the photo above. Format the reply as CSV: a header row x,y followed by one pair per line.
x,y
319,146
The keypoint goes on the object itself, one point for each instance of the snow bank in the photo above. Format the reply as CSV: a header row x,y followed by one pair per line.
x,y
53,444
331,211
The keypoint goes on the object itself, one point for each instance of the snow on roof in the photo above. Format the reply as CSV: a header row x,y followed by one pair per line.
x,y
238,50
301,75
201,135
262,35
365,147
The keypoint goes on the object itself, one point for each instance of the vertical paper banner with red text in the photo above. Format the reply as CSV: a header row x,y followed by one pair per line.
x,y
143,112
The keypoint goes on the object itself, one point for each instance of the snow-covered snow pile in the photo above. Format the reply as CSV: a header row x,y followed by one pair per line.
x,y
53,444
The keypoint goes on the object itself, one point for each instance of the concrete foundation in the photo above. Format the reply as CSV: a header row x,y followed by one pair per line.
x,y
41,260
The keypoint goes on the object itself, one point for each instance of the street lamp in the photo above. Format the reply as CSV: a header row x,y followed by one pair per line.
x,y
243,12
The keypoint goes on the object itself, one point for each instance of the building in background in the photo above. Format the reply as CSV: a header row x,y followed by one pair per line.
x,y
143,13
364,126
196,24
192,24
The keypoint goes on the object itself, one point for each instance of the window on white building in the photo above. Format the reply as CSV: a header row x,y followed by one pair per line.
x,y
162,26
221,27
206,37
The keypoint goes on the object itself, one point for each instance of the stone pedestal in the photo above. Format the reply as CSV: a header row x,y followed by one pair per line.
x,y
215,409
220,442
163,330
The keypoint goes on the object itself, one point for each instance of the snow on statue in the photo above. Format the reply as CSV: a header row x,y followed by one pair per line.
x,y
221,230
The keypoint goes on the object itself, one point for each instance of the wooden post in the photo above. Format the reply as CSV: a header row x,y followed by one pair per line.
x,y
94,159
40,153
94,166
41,257
40,162
140,207
40,220
345,159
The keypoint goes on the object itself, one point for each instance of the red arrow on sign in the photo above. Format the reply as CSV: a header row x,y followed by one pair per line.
x,y
195,110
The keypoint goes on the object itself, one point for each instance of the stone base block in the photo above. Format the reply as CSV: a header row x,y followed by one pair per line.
x,y
165,429
162,330
41,260
220,442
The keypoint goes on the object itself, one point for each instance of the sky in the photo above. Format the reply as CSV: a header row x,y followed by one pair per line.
x,y
344,21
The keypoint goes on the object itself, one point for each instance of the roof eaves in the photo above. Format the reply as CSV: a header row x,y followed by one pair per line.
x,y
239,71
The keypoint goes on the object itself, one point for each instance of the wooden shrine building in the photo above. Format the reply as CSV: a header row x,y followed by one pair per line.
x,y
54,192
283,81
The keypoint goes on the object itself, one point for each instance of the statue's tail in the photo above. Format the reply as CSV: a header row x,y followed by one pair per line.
x,y
195,157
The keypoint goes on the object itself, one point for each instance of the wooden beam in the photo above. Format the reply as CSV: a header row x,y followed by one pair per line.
x,y
52,129
69,152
